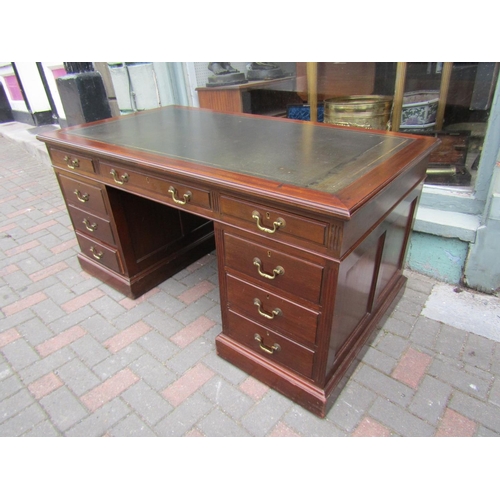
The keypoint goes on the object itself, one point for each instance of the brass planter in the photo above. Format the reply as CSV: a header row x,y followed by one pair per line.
x,y
365,111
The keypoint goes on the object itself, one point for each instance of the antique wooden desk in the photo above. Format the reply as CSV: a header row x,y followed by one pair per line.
x,y
310,224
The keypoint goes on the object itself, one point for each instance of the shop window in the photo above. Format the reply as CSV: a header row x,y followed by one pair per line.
x,y
450,100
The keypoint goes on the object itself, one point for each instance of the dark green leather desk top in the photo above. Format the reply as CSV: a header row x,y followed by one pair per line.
x,y
285,151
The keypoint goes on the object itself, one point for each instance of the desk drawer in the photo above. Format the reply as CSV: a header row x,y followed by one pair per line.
x,y
100,253
71,161
267,221
273,267
271,345
177,193
92,225
83,195
272,311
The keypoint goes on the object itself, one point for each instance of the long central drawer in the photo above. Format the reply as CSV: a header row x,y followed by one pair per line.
x,y
271,345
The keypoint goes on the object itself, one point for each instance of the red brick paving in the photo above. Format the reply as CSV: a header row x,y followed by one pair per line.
x,y
40,227
60,341
19,212
82,300
109,389
45,385
282,430
9,270
196,292
199,263
48,271
454,424
126,337
62,247
131,303
10,198
253,388
8,336
22,248
189,383
22,304
8,227
192,331
412,368
194,433
371,428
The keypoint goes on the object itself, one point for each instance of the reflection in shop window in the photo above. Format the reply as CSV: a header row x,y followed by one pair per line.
x,y
466,111
449,100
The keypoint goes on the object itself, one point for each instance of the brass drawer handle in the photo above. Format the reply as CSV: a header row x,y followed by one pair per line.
x,y
82,197
277,271
173,192
71,163
279,222
122,179
276,312
269,350
97,254
90,226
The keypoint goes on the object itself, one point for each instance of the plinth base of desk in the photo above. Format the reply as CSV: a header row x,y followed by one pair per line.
x,y
302,391
285,381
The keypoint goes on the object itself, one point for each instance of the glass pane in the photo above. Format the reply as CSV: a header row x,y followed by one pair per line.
x,y
450,100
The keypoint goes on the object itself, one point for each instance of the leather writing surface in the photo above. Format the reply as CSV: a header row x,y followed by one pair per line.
x,y
289,152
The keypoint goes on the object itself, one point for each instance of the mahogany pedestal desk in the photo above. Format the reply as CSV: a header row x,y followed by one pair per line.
x,y
310,223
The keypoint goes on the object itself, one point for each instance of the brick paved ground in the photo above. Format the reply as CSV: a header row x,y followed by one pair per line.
x,y
79,359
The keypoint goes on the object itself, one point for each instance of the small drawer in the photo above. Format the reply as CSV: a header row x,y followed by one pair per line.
x,y
176,193
83,195
100,253
272,311
274,268
270,345
92,225
71,161
267,221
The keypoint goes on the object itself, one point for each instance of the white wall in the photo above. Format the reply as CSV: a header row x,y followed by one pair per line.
x,y
51,81
33,86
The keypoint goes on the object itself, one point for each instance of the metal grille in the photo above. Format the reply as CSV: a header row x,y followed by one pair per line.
x,y
78,67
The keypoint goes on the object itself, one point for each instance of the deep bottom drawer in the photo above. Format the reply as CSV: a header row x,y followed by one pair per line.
x,y
102,254
270,344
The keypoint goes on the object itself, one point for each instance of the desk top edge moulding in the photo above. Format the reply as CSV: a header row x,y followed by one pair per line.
x,y
310,223
280,155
